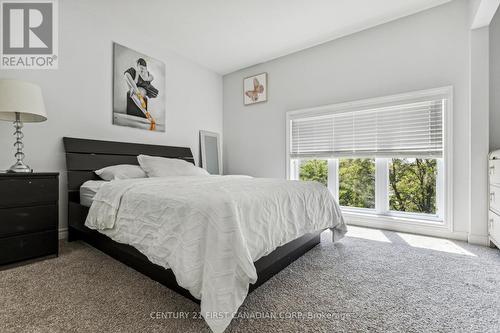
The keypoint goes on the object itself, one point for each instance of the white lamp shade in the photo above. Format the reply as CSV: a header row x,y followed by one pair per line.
x,y
23,97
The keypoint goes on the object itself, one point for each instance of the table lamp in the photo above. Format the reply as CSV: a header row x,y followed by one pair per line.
x,y
20,102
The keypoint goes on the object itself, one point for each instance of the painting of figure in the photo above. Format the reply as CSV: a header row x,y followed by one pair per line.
x,y
138,90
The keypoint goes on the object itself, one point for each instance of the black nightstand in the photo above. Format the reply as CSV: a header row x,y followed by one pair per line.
x,y
28,216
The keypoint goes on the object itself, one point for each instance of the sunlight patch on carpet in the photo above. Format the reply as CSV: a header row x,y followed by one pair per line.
x,y
366,233
436,244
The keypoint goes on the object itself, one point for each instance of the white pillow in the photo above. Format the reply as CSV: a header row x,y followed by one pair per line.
x,y
121,171
168,167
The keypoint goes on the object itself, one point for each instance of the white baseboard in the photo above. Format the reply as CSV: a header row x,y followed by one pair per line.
x,y
63,233
479,239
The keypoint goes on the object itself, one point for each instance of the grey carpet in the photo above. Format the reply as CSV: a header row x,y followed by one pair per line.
x,y
356,285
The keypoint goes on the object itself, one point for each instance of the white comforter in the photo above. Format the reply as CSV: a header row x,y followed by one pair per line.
x,y
209,230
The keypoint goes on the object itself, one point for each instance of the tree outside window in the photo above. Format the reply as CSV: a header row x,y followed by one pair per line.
x,y
315,170
411,181
412,185
357,182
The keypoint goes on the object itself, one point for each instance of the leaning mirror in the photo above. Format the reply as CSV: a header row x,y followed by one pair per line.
x,y
211,157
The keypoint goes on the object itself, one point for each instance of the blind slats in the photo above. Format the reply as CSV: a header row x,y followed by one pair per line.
x,y
412,130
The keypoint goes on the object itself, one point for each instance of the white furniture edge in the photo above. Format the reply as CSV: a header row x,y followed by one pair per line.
x,y
485,240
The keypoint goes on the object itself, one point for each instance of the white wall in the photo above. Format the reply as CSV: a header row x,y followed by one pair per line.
x,y
78,96
426,50
479,135
495,82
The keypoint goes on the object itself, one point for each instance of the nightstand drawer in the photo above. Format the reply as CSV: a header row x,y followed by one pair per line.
x,y
27,219
28,246
23,191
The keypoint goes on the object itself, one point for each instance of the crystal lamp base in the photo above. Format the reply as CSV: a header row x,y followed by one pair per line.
x,y
20,167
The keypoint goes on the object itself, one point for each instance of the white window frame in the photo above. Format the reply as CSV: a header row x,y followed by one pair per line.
x,y
381,216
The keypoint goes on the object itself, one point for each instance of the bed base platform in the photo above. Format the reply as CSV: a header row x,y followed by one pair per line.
x,y
267,266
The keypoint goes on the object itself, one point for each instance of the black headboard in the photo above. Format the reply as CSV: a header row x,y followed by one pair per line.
x,y
83,156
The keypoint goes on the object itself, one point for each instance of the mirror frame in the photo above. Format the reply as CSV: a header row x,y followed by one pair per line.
x,y
203,135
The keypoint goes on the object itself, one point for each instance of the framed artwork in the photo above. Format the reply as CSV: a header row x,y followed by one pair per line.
x,y
255,89
138,90
211,156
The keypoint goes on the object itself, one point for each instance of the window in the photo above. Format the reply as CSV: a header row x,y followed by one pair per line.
x,y
315,170
357,182
412,185
386,156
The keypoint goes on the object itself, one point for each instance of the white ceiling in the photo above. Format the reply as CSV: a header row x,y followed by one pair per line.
x,y
227,35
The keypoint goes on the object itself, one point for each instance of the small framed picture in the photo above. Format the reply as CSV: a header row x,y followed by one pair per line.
x,y
255,89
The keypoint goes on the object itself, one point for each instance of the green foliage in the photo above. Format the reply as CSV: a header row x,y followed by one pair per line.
x,y
357,182
412,185
316,170
412,182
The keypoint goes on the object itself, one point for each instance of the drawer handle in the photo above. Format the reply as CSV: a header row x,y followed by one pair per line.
x,y
490,224
492,169
492,196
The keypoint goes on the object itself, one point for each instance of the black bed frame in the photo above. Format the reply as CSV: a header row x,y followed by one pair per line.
x,y
83,156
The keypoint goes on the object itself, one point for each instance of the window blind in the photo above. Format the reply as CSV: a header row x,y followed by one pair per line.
x,y
405,130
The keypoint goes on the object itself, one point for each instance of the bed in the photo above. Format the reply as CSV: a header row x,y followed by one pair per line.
x,y
83,156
